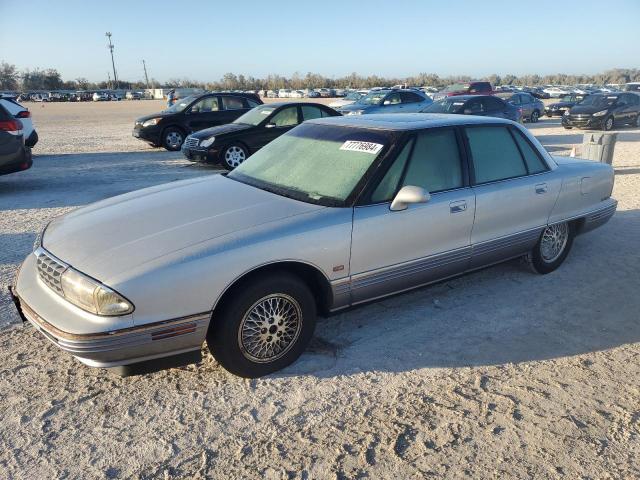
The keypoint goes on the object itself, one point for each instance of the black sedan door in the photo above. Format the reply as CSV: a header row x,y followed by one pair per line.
x,y
231,107
278,122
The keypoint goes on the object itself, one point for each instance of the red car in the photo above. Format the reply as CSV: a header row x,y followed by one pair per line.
x,y
465,88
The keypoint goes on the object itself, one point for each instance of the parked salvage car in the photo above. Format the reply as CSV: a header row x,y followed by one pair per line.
x,y
388,101
170,127
231,144
604,111
482,105
530,107
334,213
464,88
565,103
15,156
24,115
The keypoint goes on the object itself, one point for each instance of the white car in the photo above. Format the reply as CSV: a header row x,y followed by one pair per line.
x,y
24,115
557,92
284,93
40,97
100,97
296,94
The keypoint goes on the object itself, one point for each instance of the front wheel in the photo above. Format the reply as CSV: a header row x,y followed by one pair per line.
x,y
535,116
552,248
264,327
608,124
233,156
172,139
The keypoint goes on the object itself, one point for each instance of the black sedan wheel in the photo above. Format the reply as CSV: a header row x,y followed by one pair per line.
x,y
264,326
608,124
552,248
233,156
172,139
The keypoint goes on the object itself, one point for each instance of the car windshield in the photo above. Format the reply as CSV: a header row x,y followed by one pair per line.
x,y
373,98
181,104
320,164
352,96
456,87
567,98
599,100
255,115
447,105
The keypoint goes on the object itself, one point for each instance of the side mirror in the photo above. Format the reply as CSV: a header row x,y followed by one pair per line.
x,y
386,102
408,195
270,125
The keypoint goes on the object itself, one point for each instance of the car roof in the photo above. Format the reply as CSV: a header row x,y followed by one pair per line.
x,y
281,104
469,97
406,121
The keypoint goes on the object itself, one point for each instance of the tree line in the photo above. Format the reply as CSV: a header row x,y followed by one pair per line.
x,y
50,79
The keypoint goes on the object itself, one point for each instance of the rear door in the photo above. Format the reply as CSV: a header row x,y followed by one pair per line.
x,y
494,107
514,190
231,107
396,250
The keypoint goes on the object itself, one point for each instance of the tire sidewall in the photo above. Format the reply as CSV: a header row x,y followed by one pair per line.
x,y
535,116
606,121
223,155
222,337
543,267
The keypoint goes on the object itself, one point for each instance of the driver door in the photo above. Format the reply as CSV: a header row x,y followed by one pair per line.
x,y
396,250
199,114
276,124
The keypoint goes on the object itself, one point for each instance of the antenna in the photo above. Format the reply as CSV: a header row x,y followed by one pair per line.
x,y
113,64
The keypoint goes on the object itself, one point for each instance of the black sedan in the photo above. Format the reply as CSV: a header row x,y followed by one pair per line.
x,y
14,155
170,127
565,103
604,111
482,105
231,144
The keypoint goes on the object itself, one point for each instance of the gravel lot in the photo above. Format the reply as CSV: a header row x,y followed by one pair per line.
x,y
498,374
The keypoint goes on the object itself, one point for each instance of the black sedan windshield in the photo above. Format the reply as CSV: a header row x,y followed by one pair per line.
x,y
319,164
447,105
255,115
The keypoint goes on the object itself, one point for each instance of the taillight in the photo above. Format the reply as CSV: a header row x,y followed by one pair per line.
x,y
24,114
14,127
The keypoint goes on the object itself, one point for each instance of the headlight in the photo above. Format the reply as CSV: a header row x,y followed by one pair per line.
x,y
92,296
151,122
207,142
600,114
355,112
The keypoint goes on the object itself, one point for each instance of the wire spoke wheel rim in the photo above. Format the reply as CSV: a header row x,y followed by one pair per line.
x,y
234,156
553,242
270,328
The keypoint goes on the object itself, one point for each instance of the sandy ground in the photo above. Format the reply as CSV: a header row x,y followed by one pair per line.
x,y
498,374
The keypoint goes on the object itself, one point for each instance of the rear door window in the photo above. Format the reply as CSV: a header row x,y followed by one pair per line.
x,y
286,117
492,104
495,154
410,97
309,112
232,103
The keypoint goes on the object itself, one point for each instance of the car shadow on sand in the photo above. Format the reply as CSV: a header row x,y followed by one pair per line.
x,y
500,315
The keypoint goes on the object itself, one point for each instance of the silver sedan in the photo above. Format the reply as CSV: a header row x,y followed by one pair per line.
x,y
337,212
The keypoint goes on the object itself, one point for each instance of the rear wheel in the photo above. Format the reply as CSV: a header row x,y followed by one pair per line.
x,y
552,248
264,327
172,139
233,156
608,124
638,121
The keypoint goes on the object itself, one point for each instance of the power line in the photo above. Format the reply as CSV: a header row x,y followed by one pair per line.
x,y
113,64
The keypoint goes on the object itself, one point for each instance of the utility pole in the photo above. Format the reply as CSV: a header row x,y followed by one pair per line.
x,y
108,81
146,77
113,64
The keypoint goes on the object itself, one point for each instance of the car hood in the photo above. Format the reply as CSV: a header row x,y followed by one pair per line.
x,y
586,109
560,104
228,128
109,237
355,106
154,115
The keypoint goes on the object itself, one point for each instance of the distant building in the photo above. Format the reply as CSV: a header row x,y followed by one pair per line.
x,y
161,93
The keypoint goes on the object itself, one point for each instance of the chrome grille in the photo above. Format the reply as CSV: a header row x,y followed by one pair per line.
x,y
50,269
191,142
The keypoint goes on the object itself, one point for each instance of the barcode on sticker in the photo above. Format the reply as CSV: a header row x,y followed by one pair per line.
x,y
356,146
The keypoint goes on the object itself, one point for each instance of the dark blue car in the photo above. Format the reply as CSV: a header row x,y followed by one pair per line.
x,y
482,105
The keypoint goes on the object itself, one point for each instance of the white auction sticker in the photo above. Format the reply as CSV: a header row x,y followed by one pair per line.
x,y
357,146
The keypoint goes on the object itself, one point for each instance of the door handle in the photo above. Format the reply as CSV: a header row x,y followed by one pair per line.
x,y
541,188
457,207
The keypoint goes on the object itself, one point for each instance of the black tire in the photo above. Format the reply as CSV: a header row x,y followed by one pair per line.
x,y
233,155
607,124
172,138
535,259
225,335
535,116
568,128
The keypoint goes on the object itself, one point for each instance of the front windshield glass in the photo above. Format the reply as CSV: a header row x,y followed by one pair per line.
x,y
255,115
352,96
447,105
373,98
181,104
599,101
319,164
456,87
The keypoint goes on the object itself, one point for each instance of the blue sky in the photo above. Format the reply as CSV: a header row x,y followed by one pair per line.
x,y
204,40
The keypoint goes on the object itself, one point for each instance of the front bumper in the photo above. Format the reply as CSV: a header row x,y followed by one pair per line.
x,y
148,134
197,154
113,344
582,121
